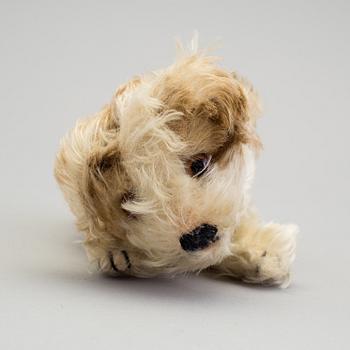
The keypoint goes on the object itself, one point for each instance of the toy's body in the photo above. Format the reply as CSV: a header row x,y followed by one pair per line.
x,y
159,179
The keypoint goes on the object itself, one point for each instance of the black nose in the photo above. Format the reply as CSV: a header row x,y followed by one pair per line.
x,y
199,238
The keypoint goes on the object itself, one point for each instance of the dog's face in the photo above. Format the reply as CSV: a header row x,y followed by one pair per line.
x,y
171,163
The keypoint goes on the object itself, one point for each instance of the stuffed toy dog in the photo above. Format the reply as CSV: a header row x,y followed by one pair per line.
x,y
159,179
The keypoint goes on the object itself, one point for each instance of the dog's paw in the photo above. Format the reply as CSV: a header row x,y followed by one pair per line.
x,y
272,255
115,263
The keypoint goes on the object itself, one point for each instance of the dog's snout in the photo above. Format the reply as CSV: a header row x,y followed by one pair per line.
x,y
199,238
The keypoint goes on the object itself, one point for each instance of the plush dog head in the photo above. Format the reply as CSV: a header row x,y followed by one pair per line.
x,y
162,173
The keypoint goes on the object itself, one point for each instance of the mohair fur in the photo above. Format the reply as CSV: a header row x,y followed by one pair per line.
x,y
125,174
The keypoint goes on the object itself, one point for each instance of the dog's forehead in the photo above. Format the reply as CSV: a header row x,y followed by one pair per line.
x,y
200,134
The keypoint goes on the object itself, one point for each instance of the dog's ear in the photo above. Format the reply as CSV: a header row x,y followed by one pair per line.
x,y
236,107
240,110
247,111
252,105
102,173
231,101
100,182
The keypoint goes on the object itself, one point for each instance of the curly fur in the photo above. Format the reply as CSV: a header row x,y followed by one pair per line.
x,y
124,173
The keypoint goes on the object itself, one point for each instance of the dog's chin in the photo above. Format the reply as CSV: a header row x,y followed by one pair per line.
x,y
196,261
181,261
213,254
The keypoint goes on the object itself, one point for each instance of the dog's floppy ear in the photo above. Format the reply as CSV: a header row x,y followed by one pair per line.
x,y
252,105
102,173
238,109
100,181
232,102
246,115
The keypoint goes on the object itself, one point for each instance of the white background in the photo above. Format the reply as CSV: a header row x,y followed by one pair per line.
x,y
62,60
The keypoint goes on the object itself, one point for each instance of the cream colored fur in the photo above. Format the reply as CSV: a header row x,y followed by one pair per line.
x,y
124,173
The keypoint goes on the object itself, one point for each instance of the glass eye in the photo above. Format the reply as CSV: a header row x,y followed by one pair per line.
x,y
199,165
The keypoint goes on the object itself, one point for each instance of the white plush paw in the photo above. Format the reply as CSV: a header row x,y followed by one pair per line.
x,y
116,262
271,258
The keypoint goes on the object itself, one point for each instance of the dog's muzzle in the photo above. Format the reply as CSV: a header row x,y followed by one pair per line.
x,y
199,238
